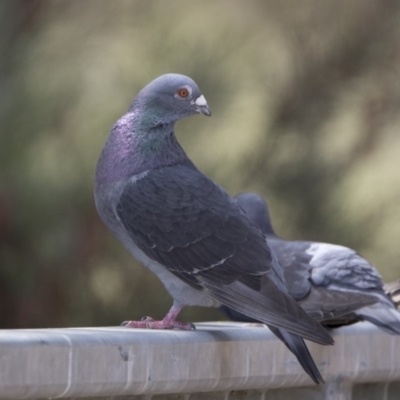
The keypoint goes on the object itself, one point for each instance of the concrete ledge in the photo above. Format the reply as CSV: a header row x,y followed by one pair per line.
x,y
218,357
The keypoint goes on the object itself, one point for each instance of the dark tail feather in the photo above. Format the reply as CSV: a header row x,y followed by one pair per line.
x,y
293,342
384,316
298,347
276,308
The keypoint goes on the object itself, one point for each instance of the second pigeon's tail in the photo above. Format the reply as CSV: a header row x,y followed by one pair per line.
x,y
382,314
298,347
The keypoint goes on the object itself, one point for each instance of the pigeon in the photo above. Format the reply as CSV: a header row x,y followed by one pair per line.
x,y
182,226
333,283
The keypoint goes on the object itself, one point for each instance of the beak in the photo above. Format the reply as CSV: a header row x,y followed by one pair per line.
x,y
201,106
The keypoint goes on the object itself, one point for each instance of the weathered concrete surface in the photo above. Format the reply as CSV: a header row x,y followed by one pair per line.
x,y
218,357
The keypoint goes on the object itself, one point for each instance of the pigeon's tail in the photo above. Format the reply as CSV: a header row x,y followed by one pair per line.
x,y
384,315
298,347
277,308
293,342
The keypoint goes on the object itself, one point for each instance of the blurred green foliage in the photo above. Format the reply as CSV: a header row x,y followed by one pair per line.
x,y
305,99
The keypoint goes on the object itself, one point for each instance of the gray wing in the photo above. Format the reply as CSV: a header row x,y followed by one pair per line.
x,y
340,267
180,218
316,278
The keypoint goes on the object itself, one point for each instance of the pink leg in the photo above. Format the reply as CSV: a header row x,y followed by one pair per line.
x,y
168,322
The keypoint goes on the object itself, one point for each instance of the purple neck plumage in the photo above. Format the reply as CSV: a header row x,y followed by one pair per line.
x,y
131,148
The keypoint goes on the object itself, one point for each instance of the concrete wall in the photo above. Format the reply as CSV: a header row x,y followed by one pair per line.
x,y
218,361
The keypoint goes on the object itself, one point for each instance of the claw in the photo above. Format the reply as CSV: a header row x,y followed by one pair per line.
x,y
163,324
169,322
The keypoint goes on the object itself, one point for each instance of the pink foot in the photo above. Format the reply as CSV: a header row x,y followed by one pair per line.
x,y
169,322
149,323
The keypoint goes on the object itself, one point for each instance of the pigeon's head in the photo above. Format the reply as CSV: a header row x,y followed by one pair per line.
x,y
171,97
256,210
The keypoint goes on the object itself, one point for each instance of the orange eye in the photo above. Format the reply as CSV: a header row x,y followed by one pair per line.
x,y
183,92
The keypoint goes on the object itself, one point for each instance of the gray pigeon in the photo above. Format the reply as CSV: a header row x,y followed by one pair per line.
x,y
184,227
332,283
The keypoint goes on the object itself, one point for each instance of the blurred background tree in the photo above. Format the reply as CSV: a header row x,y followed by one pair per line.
x,y
305,99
